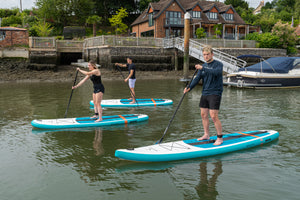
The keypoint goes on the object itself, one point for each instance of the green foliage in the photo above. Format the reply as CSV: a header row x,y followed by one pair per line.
x,y
266,20
65,12
94,19
200,33
12,20
143,4
282,36
267,40
116,21
253,36
8,12
286,33
42,29
218,28
237,3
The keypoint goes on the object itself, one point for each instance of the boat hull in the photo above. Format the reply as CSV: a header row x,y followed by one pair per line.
x,y
248,81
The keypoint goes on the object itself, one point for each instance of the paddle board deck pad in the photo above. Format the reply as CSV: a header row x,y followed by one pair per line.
x,y
188,149
87,121
140,102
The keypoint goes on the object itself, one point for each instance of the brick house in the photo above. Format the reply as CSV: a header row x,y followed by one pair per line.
x,y
10,36
166,18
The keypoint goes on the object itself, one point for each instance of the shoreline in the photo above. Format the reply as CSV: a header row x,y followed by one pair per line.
x,y
67,73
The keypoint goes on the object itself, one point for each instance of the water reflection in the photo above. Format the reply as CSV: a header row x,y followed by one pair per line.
x,y
97,143
206,188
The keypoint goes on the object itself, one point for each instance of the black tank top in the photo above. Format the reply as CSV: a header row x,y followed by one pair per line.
x,y
96,80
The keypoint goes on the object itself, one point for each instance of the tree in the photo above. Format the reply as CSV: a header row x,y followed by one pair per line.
x,y
143,4
218,28
63,13
94,20
286,33
200,32
266,20
43,29
116,21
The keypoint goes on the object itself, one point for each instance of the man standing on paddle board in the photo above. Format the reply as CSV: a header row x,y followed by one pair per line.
x,y
211,73
131,77
95,75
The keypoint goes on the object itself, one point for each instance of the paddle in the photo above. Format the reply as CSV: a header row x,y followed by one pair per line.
x,y
161,139
127,84
71,94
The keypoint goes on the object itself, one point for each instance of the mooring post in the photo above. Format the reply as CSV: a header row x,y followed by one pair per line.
x,y
176,59
186,62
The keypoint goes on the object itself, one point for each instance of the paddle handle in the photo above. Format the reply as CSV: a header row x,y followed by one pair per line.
x,y
71,94
161,139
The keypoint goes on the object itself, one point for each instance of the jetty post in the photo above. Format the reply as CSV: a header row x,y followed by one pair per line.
x,y
187,17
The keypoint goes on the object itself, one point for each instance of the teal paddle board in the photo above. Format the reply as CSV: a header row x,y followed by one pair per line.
x,y
87,121
139,102
192,148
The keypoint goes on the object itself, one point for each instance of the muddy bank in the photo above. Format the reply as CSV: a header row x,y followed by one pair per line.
x,y
19,70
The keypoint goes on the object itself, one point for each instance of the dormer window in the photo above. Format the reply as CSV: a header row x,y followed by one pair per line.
x,y
212,15
227,16
196,14
151,21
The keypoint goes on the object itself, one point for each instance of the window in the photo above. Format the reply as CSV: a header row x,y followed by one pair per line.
x,y
196,14
173,32
2,35
148,33
212,15
151,21
227,16
173,18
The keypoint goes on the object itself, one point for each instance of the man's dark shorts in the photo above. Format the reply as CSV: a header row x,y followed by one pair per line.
x,y
212,102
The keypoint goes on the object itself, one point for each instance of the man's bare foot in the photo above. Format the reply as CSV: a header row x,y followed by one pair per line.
x,y
219,141
130,99
95,116
204,137
98,120
132,102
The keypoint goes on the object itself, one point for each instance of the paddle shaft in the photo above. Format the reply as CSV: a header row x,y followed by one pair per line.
x,y
127,84
161,139
71,94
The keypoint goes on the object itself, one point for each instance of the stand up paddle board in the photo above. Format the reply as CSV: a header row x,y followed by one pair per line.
x,y
140,102
187,149
87,121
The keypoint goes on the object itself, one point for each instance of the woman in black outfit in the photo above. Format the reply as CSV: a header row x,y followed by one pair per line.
x,y
95,75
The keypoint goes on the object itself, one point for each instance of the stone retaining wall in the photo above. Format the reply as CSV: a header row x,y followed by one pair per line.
x,y
154,58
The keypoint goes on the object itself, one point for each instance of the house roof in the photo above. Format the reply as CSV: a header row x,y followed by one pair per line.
x,y
187,5
8,28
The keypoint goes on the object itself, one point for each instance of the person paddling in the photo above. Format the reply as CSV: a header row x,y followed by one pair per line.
x,y
95,75
211,74
131,77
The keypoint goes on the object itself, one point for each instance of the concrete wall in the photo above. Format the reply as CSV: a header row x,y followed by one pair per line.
x,y
14,53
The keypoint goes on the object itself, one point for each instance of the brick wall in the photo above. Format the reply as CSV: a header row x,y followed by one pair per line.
x,y
15,37
160,31
138,29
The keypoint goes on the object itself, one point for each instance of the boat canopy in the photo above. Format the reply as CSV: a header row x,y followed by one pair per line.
x,y
273,65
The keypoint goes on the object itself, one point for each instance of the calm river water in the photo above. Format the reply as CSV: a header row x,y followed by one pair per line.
x,y
80,163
